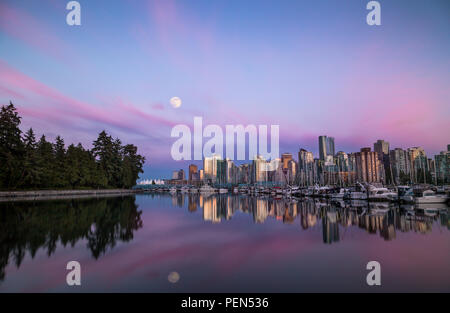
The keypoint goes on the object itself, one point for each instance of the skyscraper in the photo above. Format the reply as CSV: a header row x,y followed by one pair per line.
x,y
259,169
210,167
419,165
442,167
330,146
381,147
192,172
326,147
306,167
368,166
322,147
285,158
399,165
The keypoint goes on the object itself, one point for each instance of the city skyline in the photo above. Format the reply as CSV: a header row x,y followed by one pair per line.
x,y
378,165
312,68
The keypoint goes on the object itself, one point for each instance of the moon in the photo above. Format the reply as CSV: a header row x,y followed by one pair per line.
x,y
175,102
173,277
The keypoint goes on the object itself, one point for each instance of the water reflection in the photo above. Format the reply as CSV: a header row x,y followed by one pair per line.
x,y
30,226
382,218
213,242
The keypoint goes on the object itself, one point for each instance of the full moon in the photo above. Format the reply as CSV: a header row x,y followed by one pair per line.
x,y
175,102
173,277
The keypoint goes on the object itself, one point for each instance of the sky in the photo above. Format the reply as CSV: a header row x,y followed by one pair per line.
x,y
312,67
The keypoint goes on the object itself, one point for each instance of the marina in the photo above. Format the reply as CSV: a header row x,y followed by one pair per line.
x,y
367,192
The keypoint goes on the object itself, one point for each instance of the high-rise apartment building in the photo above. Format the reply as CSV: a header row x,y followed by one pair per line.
x,y
399,165
259,169
193,170
368,166
326,147
305,167
210,167
285,158
442,167
381,147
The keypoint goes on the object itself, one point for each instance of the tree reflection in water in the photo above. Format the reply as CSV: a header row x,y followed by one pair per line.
x,y
31,225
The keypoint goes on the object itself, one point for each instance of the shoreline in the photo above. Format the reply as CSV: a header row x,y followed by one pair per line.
x,y
38,194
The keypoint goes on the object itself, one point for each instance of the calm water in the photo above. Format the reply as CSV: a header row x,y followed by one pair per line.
x,y
220,244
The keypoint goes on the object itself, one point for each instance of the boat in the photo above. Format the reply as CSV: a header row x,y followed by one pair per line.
x,y
223,190
429,196
184,189
405,194
193,190
207,189
173,190
359,194
339,195
382,194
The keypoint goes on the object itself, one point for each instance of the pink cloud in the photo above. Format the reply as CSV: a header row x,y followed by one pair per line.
x,y
24,27
49,104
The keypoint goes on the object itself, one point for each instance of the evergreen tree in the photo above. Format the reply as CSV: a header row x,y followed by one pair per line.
x,y
45,161
59,152
31,171
11,148
26,163
132,166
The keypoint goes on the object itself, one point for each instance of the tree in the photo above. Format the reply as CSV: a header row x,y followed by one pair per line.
x,y
11,147
45,159
132,166
59,152
26,163
31,171
108,152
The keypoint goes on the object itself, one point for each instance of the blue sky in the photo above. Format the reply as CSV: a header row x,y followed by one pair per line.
x,y
312,67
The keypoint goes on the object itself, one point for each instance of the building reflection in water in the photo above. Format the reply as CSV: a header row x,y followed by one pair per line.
x,y
375,218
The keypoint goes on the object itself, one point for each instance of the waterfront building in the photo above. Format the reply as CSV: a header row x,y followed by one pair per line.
x,y
231,172
326,147
306,170
285,158
330,146
322,147
399,166
193,173
442,167
419,165
221,175
210,167
368,166
259,170
381,147
244,174
291,172
276,174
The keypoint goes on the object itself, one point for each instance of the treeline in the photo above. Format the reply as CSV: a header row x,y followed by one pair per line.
x,y
27,163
